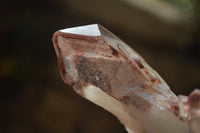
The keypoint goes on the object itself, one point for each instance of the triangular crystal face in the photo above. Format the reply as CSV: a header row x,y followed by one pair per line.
x,y
105,70
88,30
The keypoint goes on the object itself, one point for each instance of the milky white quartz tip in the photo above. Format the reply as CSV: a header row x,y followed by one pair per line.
x,y
88,30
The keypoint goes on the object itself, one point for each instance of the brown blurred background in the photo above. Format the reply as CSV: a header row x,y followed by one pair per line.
x,y
34,99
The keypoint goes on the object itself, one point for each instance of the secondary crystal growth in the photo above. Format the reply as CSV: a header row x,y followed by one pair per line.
x,y
103,69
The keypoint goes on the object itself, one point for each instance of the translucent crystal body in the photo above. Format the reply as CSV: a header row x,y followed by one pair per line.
x,y
103,69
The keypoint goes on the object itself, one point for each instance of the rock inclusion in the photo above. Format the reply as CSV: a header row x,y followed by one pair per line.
x,y
103,69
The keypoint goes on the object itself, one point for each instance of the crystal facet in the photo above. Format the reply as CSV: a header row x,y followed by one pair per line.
x,y
88,30
103,69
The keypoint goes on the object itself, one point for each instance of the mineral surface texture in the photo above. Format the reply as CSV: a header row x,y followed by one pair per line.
x,y
103,69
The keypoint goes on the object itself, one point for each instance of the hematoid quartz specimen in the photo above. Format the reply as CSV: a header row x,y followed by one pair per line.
x,y
103,69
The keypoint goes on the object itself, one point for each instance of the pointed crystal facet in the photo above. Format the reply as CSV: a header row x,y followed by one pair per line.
x,y
88,30
103,69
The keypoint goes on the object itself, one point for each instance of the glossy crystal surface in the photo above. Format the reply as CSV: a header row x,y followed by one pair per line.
x,y
105,70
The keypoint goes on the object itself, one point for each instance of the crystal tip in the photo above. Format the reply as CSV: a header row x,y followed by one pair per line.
x,y
87,30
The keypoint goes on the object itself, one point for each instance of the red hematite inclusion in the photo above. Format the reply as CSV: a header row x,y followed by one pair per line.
x,y
103,69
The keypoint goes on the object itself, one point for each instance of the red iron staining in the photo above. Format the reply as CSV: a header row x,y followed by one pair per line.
x,y
61,66
171,97
121,52
139,63
81,37
194,100
61,63
104,55
138,102
78,46
155,80
146,71
175,109
114,51
125,99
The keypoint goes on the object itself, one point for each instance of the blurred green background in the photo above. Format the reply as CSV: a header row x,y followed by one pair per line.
x,y
34,99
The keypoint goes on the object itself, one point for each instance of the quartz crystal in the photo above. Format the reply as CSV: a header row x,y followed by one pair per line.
x,y
103,69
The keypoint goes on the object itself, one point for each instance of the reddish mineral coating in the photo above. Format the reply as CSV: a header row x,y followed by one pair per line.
x,y
194,100
91,55
193,104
